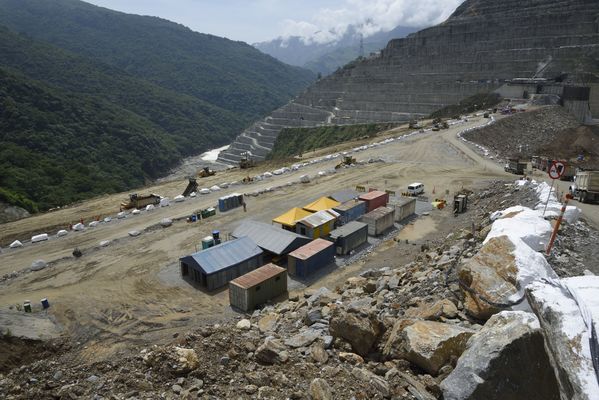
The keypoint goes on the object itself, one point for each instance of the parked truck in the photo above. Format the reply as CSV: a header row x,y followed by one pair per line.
x,y
140,201
516,166
586,188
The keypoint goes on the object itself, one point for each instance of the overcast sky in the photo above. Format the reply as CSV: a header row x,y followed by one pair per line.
x,y
315,20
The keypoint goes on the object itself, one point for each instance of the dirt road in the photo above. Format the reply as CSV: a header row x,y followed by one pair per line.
x,y
131,290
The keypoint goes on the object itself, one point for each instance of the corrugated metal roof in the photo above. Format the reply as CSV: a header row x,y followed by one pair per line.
x,y
372,195
348,205
379,212
319,218
344,195
402,201
324,203
257,276
347,229
224,255
291,217
270,238
308,250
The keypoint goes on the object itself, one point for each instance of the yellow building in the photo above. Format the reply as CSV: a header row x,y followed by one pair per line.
x,y
318,224
289,219
324,203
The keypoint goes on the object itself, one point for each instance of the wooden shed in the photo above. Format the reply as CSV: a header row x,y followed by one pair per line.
x,y
257,287
216,266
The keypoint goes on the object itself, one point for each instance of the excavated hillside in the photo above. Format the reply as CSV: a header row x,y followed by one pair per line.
x,y
480,46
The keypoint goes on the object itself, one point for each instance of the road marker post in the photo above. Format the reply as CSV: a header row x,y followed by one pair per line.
x,y
558,223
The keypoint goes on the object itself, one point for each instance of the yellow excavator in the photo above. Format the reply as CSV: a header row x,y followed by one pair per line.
x,y
205,172
347,160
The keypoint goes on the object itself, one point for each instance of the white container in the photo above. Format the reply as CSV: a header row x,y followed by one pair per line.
x,y
39,238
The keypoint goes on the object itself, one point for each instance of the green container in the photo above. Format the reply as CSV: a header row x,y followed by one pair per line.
x,y
27,307
209,212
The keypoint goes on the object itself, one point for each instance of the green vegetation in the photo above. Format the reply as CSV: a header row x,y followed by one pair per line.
x,y
473,103
94,101
293,141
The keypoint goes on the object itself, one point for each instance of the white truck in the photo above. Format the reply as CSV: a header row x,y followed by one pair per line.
x,y
586,188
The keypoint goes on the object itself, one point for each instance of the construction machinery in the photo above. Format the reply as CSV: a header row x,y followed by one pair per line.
x,y
140,201
414,124
205,172
517,166
192,186
246,160
248,179
347,160
586,188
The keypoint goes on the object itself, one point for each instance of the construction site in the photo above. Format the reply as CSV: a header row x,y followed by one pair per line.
x,y
136,274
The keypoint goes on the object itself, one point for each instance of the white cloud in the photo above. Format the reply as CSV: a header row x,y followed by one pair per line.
x,y
369,17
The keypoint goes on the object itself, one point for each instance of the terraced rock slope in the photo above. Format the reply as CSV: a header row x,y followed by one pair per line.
x,y
481,45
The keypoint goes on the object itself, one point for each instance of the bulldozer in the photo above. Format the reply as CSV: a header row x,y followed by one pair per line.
x,y
192,186
246,161
140,201
205,172
347,160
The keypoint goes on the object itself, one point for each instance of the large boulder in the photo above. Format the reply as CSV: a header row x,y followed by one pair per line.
x,y
379,384
320,390
496,275
172,360
427,344
272,351
524,223
568,311
506,359
358,330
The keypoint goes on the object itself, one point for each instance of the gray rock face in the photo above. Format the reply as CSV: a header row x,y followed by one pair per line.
x,y
480,46
361,332
506,359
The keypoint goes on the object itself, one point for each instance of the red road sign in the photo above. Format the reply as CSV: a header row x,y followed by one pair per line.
x,y
556,170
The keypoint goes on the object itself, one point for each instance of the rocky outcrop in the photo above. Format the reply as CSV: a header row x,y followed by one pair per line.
x,y
504,360
429,345
568,312
483,44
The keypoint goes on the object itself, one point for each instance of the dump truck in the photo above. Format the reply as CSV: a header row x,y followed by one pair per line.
x,y
246,160
192,186
516,166
347,160
586,188
140,201
205,172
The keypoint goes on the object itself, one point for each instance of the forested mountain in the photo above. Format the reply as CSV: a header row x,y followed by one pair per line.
x,y
123,95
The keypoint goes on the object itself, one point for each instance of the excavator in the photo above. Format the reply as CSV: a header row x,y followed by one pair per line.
x,y
246,160
205,172
347,160
192,186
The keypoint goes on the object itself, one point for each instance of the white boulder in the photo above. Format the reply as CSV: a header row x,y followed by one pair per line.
x,y
16,244
62,233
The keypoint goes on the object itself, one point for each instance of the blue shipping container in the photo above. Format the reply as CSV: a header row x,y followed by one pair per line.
x,y
311,257
350,210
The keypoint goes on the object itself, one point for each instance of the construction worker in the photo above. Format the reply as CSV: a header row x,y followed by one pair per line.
x,y
245,209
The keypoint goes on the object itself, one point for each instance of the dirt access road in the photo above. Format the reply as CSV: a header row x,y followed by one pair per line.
x,y
131,290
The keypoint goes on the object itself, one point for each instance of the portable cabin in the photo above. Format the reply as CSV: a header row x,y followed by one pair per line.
x,y
349,237
324,203
405,207
289,219
230,202
345,195
311,257
350,210
375,199
257,287
214,267
275,242
460,203
379,220
318,224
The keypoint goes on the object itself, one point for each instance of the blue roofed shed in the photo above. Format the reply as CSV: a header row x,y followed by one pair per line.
x,y
214,267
